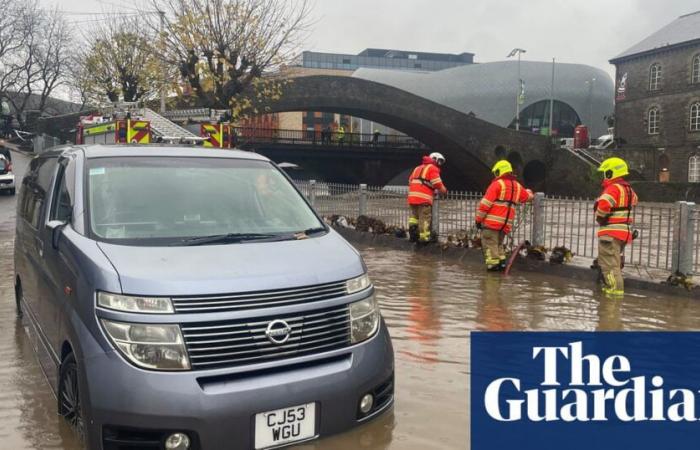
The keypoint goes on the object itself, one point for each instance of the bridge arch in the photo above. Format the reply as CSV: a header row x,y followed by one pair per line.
x,y
467,142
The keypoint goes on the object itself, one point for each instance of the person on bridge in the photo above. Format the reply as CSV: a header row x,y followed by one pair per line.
x,y
375,138
341,135
495,213
613,212
422,184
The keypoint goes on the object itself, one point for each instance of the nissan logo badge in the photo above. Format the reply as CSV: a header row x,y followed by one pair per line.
x,y
278,332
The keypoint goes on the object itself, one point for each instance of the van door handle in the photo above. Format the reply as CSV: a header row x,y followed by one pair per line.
x,y
39,246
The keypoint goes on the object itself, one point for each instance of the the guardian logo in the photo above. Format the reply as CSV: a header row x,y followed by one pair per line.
x,y
594,390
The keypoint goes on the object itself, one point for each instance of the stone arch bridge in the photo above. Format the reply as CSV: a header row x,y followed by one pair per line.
x,y
470,145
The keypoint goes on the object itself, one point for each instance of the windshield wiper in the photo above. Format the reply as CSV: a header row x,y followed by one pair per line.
x,y
311,231
230,238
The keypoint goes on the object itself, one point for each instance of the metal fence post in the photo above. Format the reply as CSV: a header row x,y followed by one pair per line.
x,y
683,239
436,216
312,192
537,238
363,200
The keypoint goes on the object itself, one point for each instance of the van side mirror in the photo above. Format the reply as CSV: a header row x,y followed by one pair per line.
x,y
56,228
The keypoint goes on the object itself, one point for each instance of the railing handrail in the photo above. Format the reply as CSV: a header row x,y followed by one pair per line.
x,y
255,134
667,231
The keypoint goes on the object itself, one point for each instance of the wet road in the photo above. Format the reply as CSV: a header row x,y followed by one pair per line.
x,y
430,306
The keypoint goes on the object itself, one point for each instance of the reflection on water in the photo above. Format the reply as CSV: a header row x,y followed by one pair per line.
x,y
430,306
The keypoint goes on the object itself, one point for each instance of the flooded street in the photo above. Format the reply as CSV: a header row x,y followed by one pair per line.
x,y
430,306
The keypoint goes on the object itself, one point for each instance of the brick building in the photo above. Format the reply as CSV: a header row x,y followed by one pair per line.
x,y
657,111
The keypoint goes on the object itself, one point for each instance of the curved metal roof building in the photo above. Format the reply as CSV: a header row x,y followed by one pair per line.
x,y
489,90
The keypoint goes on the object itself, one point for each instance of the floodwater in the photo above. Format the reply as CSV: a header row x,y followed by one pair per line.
x,y
430,306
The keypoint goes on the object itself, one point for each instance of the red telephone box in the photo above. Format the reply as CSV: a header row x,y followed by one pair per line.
x,y
581,137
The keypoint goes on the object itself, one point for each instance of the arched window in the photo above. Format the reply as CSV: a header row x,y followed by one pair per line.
x,y
655,77
535,118
694,169
653,121
695,117
695,72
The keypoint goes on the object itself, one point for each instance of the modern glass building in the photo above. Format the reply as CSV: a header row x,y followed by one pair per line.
x,y
374,58
582,94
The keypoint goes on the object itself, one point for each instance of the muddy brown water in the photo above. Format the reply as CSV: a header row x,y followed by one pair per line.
x,y
430,306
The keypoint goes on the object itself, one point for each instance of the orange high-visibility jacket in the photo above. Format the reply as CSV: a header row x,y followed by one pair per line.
x,y
496,211
613,210
423,182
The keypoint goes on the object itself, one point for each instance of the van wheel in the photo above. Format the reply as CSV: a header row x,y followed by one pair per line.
x,y
69,401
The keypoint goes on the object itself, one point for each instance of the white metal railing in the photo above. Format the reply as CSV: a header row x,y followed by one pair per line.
x,y
666,230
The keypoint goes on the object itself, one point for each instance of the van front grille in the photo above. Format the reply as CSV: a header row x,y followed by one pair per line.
x,y
230,343
259,299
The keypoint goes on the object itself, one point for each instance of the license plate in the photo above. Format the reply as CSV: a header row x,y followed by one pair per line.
x,y
284,426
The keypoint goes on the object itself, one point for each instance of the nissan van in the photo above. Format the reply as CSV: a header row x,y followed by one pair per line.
x,y
191,299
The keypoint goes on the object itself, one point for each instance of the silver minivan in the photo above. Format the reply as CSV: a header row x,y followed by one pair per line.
x,y
184,298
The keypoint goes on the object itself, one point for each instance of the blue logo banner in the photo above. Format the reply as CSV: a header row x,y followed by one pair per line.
x,y
583,391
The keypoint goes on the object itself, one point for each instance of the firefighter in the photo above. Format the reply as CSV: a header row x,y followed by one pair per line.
x,y
495,213
613,212
422,184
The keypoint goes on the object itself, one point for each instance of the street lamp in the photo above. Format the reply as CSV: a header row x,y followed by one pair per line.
x,y
518,51
591,85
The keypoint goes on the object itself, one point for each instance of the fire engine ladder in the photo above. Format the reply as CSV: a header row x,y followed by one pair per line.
x,y
166,129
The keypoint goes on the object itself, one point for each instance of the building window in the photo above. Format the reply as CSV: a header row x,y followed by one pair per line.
x,y
695,117
653,121
655,77
694,169
535,118
695,77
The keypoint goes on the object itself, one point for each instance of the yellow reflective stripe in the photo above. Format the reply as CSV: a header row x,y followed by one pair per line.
x,y
619,215
436,180
517,193
481,214
99,129
608,198
502,194
485,202
420,195
424,172
622,194
615,227
495,218
413,221
416,181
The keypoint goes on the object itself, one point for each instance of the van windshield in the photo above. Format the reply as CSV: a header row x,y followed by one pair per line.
x,y
176,200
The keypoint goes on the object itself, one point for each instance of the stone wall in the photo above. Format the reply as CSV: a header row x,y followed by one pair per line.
x,y
667,192
674,143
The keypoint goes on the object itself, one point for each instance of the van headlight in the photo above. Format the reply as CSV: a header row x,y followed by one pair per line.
x,y
134,304
149,346
364,318
358,284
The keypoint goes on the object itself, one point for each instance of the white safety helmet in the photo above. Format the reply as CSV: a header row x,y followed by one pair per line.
x,y
438,158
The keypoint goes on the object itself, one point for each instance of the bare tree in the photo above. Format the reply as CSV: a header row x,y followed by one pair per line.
x,y
33,48
52,56
222,48
21,73
117,63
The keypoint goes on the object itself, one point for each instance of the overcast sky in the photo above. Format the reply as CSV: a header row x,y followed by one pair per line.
x,y
575,31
